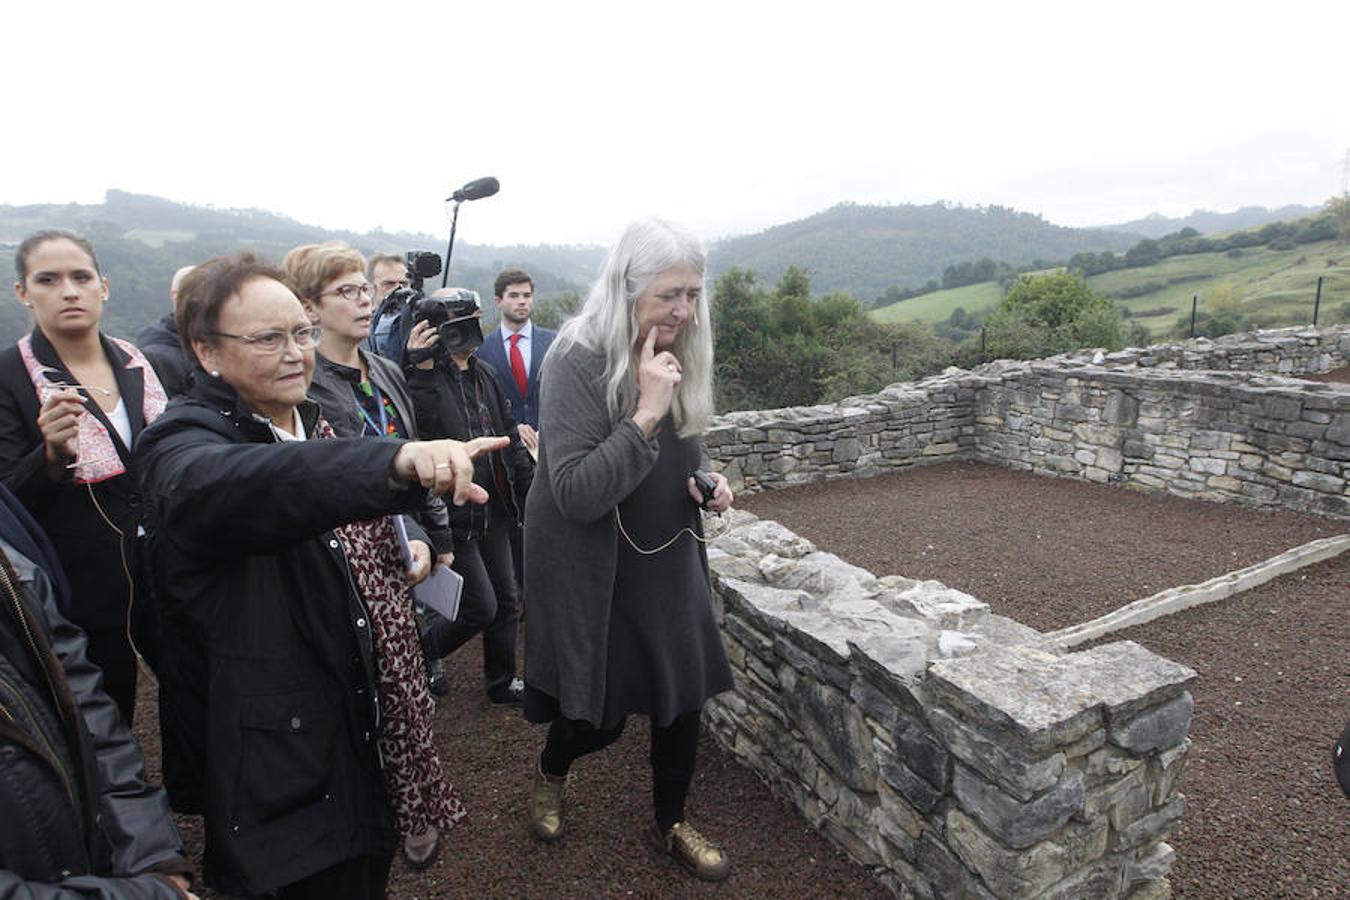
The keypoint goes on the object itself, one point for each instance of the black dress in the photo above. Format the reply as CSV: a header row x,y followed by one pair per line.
x,y
665,655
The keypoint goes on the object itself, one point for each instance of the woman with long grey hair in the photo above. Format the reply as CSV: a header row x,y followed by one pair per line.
x,y
616,579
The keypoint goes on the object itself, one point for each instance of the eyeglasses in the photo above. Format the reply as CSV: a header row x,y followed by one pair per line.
x,y
269,342
350,292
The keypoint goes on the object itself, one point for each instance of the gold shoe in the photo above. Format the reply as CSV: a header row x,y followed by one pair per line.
x,y
546,805
692,850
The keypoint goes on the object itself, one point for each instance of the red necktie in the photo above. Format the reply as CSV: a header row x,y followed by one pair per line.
x,y
518,366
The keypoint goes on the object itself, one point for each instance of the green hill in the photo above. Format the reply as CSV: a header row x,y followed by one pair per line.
x,y
1207,222
142,240
866,249
1275,287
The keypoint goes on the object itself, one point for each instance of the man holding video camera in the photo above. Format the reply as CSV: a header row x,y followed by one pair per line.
x,y
455,394
389,327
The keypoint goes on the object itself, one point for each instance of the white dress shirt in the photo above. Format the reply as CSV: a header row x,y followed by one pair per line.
x,y
526,340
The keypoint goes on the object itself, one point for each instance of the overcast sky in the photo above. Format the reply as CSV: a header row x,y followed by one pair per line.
x,y
729,116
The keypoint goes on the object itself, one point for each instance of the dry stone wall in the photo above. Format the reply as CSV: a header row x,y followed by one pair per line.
x,y
1145,417
954,751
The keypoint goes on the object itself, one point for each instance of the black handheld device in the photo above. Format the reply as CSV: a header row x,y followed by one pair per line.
x,y
706,486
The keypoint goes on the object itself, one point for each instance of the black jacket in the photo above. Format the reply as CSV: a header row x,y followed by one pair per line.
x,y
444,399
332,390
241,536
159,342
91,552
79,816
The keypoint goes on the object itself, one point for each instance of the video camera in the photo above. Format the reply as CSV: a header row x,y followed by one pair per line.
x,y
455,316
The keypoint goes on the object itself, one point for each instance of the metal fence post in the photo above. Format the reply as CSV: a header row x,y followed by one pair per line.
x,y
1317,300
1195,301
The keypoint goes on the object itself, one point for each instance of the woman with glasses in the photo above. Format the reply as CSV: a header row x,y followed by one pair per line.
x,y
72,403
277,538
458,396
621,619
363,395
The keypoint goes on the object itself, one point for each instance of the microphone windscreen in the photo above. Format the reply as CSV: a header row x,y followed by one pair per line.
x,y
477,189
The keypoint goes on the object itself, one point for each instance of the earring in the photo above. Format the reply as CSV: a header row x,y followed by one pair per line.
x,y
215,373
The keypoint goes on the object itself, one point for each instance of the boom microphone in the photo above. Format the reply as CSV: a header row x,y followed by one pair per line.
x,y
476,190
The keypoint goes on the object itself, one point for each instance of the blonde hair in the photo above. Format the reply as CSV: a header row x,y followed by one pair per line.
x,y
310,267
608,322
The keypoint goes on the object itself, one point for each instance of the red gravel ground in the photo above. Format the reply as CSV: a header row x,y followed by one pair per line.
x,y
1048,552
1265,817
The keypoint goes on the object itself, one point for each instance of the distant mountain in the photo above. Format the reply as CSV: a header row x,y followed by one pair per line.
x,y
866,249
141,240
1155,225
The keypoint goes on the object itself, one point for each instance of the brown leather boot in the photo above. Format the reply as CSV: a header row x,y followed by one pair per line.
x,y
691,850
546,805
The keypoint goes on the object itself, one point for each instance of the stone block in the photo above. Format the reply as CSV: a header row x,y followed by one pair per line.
x,y
875,704
997,758
1105,878
1122,800
765,536
1309,430
833,727
922,751
846,450
947,872
944,607
1121,409
1283,408
1014,874
1150,863
1338,432
821,667
1166,770
1207,466
1016,823
1328,484
913,786
1157,825
897,821
1110,460
1097,435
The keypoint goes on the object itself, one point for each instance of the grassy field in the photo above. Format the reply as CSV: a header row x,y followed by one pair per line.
x,y
934,307
158,238
1276,286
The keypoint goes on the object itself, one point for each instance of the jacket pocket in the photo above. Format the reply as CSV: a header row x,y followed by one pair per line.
x,y
285,757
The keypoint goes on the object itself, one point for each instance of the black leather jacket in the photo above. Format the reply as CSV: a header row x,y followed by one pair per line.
x,y
446,402
241,536
79,818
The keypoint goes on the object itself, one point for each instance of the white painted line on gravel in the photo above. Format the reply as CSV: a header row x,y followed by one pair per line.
x,y
1172,600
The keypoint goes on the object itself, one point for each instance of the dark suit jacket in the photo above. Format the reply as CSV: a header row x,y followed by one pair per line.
x,y
91,552
525,410
159,342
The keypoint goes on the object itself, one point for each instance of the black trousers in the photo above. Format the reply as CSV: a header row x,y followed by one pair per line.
x,y
362,878
490,604
674,752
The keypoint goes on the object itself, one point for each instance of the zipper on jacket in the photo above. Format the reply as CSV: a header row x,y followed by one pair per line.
x,y
54,759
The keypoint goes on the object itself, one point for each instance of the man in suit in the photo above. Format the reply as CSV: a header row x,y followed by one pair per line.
x,y
516,350
159,342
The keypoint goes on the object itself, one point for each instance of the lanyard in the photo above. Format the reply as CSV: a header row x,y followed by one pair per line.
x,y
381,427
